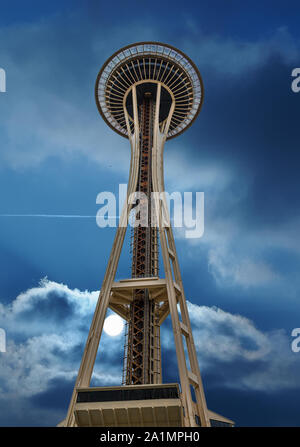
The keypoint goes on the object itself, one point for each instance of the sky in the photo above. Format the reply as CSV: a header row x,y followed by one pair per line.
x,y
56,154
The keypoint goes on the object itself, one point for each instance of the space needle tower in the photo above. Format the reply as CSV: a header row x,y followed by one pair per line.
x,y
147,92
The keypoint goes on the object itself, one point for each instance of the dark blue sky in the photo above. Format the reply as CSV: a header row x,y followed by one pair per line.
x,y
56,155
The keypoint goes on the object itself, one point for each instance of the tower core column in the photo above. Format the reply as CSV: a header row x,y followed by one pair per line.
x,y
142,344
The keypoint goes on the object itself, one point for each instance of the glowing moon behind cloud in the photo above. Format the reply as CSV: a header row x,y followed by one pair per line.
x,y
113,325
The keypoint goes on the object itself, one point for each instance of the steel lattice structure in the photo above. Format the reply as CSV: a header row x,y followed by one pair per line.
x,y
147,92
142,346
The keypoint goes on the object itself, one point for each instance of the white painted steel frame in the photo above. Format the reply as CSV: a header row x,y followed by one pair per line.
x,y
175,293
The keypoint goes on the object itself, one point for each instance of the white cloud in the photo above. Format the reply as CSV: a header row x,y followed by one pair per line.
x,y
44,326
42,349
238,270
182,174
37,353
85,301
226,339
237,252
230,56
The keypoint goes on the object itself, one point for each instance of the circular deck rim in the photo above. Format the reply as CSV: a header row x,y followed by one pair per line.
x,y
136,44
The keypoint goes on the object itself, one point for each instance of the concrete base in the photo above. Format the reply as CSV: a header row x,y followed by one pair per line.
x,y
129,406
134,406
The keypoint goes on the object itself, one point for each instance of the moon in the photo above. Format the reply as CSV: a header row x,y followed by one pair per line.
x,y
113,325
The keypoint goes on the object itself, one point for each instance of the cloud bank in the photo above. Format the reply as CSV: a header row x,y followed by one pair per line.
x,y
47,326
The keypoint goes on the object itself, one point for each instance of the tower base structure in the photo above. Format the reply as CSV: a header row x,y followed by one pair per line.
x,y
147,92
150,405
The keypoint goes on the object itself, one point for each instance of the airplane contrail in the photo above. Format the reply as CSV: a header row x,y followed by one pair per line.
x,y
59,216
63,216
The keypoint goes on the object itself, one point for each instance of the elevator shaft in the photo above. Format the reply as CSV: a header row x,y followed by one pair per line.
x,y
143,340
